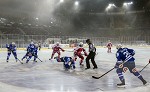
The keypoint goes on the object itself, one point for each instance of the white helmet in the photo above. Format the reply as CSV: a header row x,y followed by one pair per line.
x,y
36,45
13,43
118,46
81,44
57,43
32,42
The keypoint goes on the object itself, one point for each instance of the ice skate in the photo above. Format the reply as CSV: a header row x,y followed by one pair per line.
x,y
87,68
121,85
81,65
34,61
50,59
144,82
94,67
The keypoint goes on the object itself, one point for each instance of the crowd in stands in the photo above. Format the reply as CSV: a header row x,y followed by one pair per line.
x,y
84,24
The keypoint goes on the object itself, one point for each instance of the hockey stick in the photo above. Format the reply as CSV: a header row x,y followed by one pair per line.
x,y
114,68
106,72
68,51
145,66
19,61
39,59
103,74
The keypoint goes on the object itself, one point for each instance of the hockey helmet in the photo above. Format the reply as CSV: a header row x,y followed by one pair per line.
x,y
68,59
13,43
118,46
32,42
57,43
36,45
81,44
88,41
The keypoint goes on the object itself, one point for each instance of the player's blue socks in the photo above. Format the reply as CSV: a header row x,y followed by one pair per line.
x,y
119,72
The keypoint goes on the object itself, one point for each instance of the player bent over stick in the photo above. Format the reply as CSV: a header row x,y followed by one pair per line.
x,y
125,60
56,49
11,49
78,53
31,51
68,62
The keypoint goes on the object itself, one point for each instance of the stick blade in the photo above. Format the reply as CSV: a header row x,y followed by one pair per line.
x,y
95,77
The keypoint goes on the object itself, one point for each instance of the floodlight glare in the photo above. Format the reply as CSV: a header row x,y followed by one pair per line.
x,y
130,3
76,3
126,4
110,6
37,18
61,1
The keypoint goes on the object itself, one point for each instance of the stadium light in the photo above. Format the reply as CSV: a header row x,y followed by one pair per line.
x,y
61,1
129,3
37,18
76,3
29,24
110,6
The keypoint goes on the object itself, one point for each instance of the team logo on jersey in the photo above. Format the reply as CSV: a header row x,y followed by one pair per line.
x,y
125,69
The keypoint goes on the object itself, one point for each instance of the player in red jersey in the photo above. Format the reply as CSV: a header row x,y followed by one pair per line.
x,y
78,53
109,45
56,49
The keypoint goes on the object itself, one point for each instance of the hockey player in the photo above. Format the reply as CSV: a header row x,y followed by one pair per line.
x,y
56,49
39,46
30,52
125,60
68,62
92,53
35,52
78,53
26,55
11,48
109,45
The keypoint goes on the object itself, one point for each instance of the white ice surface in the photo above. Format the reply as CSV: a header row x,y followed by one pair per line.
x,y
50,76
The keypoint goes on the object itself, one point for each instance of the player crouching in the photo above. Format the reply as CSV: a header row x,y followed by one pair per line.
x,y
78,53
68,62
56,49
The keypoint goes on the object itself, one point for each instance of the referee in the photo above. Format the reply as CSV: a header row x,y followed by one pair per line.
x,y
92,53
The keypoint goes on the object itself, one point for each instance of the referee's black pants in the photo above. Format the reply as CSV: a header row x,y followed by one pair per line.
x,y
92,57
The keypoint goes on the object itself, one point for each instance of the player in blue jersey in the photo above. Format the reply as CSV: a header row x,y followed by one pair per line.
x,y
125,60
35,52
30,52
27,54
11,48
68,62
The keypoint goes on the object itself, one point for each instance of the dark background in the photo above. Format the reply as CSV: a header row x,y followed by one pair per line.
x,y
50,17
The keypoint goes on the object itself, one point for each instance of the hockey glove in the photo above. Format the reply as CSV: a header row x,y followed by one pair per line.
x,y
85,54
121,66
116,65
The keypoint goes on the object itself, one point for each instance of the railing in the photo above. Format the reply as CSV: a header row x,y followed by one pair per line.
x,y
22,41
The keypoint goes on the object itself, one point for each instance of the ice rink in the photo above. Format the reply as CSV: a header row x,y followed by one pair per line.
x,y
49,76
